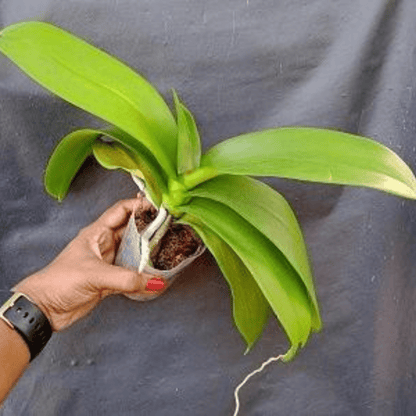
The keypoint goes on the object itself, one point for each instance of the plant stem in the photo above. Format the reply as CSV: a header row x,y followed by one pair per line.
x,y
198,176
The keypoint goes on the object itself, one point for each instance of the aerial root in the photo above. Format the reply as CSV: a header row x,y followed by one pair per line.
x,y
259,370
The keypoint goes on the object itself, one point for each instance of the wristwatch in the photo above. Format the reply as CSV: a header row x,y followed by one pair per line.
x,y
22,315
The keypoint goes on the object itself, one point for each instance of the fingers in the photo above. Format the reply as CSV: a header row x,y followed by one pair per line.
x,y
118,214
118,279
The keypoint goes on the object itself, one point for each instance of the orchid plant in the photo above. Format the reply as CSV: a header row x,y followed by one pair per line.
x,y
249,228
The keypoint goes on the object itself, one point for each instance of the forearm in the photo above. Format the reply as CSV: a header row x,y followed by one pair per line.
x,y
14,358
67,290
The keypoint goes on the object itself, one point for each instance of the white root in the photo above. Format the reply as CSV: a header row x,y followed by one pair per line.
x,y
151,230
142,186
147,236
139,182
259,370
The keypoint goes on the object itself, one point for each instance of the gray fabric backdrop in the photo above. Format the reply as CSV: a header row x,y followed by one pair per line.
x,y
240,65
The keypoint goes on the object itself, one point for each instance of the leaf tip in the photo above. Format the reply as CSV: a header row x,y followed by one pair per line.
x,y
291,353
59,196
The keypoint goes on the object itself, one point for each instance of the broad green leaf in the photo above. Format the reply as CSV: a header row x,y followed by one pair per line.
x,y
66,160
278,281
313,155
189,143
74,148
269,212
94,81
250,308
117,156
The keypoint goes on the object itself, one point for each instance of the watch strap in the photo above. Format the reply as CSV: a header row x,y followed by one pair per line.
x,y
21,314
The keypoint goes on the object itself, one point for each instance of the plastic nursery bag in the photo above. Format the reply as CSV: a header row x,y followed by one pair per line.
x,y
129,256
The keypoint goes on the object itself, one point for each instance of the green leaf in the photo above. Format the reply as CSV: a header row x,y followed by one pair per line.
x,y
269,212
96,82
278,281
66,160
189,143
313,155
115,156
74,148
118,156
250,308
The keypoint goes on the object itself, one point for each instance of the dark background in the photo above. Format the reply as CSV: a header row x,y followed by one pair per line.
x,y
239,65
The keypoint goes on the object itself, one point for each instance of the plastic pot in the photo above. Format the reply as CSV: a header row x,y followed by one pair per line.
x,y
129,256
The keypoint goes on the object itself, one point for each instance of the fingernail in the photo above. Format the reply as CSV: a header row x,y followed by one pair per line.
x,y
155,284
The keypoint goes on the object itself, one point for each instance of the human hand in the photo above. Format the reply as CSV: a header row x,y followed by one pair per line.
x,y
83,274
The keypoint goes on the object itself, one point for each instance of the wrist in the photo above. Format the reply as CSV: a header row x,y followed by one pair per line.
x,y
32,288
27,320
36,299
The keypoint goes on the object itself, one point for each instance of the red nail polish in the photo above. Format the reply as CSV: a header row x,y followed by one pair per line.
x,y
155,284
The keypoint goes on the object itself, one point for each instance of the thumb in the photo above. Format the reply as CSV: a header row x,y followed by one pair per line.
x,y
118,279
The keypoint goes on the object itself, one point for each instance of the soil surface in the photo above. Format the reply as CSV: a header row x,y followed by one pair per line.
x,y
144,218
179,242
